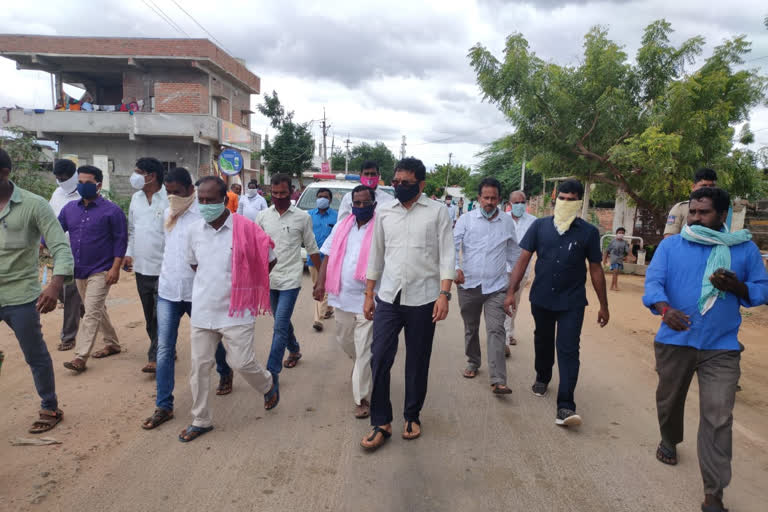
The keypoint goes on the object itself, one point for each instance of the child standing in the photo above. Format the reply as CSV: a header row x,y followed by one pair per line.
x,y
617,250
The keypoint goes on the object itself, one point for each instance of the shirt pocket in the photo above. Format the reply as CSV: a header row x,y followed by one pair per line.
x,y
11,238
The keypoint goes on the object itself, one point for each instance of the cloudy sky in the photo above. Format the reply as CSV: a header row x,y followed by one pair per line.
x,y
383,69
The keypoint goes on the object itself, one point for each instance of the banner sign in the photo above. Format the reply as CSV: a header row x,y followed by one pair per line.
x,y
231,162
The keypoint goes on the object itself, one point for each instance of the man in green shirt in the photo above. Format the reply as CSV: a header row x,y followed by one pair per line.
x,y
24,219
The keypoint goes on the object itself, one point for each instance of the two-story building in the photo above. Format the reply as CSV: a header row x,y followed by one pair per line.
x,y
181,101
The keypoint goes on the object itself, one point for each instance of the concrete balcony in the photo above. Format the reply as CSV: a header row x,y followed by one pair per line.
x,y
52,124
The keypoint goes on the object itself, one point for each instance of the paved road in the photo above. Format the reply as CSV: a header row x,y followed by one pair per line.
x,y
477,452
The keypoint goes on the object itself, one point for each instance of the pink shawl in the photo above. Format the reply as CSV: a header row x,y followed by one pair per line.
x,y
250,268
339,249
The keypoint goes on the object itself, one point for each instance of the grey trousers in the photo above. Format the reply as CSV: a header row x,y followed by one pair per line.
x,y
718,372
73,312
472,302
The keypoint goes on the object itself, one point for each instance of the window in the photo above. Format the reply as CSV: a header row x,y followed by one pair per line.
x,y
244,117
168,166
214,106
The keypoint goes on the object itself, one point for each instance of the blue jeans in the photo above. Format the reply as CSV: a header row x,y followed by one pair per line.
x,y
282,302
168,317
24,320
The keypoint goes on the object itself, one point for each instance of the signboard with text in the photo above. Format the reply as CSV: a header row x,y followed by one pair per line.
x,y
231,162
230,133
325,167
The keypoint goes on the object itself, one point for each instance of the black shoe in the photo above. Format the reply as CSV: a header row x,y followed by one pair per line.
x,y
539,388
567,418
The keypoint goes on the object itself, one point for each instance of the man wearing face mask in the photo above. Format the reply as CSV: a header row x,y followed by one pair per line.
x,y
370,177
289,227
251,203
451,208
558,295
323,219
342,275
146,239
616,251
485,237
523,221
98,236
66,177
412,254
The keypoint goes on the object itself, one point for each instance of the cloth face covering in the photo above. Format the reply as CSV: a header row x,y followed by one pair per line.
x,y
251,192
211,212
405,193
281,203
369,181
518,209
322,203
486,214
364,213
565,213
88,190
177,205
69,185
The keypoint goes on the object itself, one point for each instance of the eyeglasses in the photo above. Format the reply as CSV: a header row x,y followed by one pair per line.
x,y
361,204
404,183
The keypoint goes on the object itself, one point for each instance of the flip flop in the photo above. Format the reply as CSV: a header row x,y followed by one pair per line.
x,y
501,389
107,351
372,438
273,394
470,373
192,432
292,360
666,456
408,433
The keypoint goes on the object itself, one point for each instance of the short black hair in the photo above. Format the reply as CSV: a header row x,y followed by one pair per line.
x,y
571,187
93,171
232,186
705,173
218,181
255,183
5,160
620,229
370,164
488,182
179,175
363,188
151,165
413,165
323,189
448,196
64,166
721,200
282,178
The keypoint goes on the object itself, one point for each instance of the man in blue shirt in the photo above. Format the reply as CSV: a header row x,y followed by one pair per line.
x,y
323,219
697,281
558,295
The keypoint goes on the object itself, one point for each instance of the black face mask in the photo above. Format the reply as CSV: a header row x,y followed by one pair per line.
x,y
405,193
364,213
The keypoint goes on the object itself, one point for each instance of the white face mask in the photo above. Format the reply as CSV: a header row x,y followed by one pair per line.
x,y
70,185
250,192
137,181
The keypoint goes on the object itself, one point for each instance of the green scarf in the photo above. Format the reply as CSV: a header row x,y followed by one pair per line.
x,y
720,257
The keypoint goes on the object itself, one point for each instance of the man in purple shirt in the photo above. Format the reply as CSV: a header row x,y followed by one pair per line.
x,y
98,237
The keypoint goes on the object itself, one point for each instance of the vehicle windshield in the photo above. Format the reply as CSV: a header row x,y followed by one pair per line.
x,y
307,200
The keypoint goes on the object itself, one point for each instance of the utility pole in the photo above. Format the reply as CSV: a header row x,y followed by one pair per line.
x,y
346,159
522,175
402,148
448,171
333,143
326,126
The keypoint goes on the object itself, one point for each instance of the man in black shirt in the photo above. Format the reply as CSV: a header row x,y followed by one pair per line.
x,y
558,295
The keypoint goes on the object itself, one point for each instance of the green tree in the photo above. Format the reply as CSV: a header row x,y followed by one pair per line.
x,y
643,128
378,152
503,160
28,171
292,148
450,174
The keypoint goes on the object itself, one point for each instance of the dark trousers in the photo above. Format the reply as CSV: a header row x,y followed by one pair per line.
x,y
718,372
147,287
24,320
388,321
73,312
561,330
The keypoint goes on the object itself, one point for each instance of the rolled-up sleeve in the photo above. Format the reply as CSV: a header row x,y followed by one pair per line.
x,y
445,245
656,279
376,256
119,233
55,240
756,280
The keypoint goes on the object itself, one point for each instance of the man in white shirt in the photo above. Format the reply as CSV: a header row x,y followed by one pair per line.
x,y
451,208
209,252
146,239
354,332
65,172
523,220
251,203
370,177
174,293
412,255
485,237
289,227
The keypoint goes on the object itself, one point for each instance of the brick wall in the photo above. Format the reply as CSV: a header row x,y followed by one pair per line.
x,y
181,98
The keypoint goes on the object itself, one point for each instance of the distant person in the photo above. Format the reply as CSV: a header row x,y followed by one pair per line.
x,y
523,220
698,282
252,202
231,257
676,219
65,172
617,250
25,218
342,275
146,240
323,220
558,295
485,238
98,236
233,197
370,176
460,207
451,208
412,254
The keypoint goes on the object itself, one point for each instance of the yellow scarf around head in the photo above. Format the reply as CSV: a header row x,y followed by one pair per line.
x,y
565,213
177,206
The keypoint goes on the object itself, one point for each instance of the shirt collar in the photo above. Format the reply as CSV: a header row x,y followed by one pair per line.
x,y
227,224
95,202
16,195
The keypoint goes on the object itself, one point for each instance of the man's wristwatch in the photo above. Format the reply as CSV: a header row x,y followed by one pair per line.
x,y
447,294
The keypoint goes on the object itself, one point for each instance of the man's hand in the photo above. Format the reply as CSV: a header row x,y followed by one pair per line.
x,y
440,311
368,307
509,304
127,264
677,320
459,277
113,276
729,283
49,298
603,316
319,292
